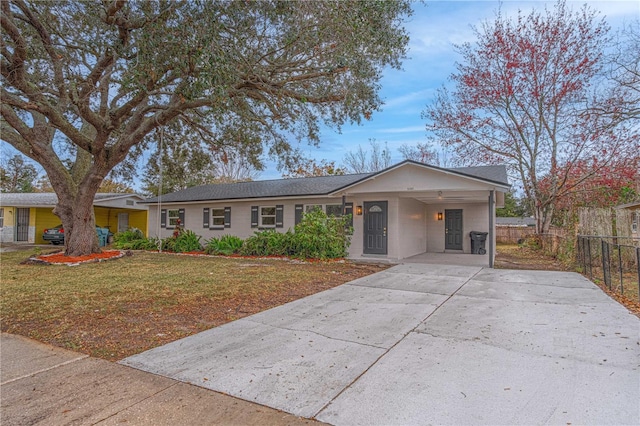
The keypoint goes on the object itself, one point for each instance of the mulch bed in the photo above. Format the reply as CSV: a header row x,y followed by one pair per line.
x,y
59,258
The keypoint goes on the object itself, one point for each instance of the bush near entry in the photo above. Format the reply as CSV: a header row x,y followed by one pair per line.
x,y
317,236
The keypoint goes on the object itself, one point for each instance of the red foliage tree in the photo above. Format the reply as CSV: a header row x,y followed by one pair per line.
x,y
520,98
586,183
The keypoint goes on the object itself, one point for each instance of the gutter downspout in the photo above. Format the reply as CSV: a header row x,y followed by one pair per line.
x,y
491,226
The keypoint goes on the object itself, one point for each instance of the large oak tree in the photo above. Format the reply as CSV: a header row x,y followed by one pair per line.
x,y
523,95
87,81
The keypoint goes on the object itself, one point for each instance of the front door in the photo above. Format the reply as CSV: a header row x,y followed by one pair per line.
x,y
375,227
22,225
123,222
453,229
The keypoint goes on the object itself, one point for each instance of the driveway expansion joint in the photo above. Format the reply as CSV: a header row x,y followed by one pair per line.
x,y
124,409
317,334
398,289
44,370
355,380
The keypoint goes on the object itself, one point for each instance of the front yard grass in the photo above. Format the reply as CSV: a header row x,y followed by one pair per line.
x,y
118,308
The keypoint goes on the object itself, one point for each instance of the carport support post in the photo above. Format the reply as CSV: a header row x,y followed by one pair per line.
x,y
491,213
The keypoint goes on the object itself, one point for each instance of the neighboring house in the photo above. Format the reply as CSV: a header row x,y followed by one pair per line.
x,y
516,221
24,216
634,208
405,210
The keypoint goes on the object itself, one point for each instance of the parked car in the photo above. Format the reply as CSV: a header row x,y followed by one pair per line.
x,y
54,235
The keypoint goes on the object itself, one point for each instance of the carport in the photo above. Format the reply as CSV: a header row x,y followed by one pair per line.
x,y
414,208
449,259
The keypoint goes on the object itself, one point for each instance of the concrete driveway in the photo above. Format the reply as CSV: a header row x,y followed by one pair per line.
x,y
428,344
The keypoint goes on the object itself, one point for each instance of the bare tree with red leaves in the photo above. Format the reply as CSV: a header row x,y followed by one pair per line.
x,y
521,96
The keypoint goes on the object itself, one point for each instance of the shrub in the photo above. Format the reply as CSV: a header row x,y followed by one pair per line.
x,y
182,242
225,245
133,239
319,236
130,234
267,243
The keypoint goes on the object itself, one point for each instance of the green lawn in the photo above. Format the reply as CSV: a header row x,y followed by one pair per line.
x,y
116,308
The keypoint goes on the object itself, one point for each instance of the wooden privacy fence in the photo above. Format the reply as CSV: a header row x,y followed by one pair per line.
x,y
513,234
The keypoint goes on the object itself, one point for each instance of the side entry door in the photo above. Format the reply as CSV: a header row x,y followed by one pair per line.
x,y
453,229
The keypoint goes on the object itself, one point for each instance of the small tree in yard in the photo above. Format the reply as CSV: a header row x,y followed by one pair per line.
x,y
84,83
524,95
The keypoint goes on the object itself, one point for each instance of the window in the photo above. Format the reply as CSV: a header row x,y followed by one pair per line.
x,y
268,217
634,221
217,218
174,217
329,209
1,217
334,210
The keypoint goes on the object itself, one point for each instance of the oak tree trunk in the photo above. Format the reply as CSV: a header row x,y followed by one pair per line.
x,y
78,221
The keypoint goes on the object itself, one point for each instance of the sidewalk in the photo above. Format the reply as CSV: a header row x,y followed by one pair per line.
x,y
41,384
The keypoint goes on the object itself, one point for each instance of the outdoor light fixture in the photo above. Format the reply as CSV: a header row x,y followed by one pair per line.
x,y
439,215
359,210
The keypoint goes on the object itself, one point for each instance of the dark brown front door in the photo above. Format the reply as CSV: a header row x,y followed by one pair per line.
x,y
453,229
375,227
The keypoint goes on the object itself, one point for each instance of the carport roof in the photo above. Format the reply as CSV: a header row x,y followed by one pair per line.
x,y
35,199
311,186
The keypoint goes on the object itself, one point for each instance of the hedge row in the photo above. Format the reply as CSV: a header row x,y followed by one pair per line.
x,y
317,236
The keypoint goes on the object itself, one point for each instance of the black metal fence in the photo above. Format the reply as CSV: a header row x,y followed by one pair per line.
x,y
615,261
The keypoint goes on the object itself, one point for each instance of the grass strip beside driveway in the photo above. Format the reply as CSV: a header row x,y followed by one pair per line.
x,y
118,308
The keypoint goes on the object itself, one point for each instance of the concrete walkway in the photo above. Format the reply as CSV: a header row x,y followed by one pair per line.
x,y
43,385
428,344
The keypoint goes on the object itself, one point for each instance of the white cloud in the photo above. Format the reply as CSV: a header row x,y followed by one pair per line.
x,y
409,98
408,129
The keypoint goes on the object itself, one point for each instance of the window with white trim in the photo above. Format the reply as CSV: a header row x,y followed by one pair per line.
x,y
1,217
217,217
311,207
268,216
334,210
634,221
329,209
173,216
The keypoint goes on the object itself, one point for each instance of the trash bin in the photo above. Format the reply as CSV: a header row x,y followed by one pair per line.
x,y
102,236
477,242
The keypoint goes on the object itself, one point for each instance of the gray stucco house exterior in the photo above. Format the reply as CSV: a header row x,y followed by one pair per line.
x,y
405,210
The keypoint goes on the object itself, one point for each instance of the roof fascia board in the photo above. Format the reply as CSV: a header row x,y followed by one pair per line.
x,y
426,166
119,197
240,200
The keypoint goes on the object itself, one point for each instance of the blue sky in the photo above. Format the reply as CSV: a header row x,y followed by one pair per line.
x,y
434,28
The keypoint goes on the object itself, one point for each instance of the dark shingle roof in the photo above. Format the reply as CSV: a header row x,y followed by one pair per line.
x,y
492,173
321,185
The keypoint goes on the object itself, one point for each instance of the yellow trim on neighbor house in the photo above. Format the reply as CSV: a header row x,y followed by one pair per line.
x,y
107,217
42,218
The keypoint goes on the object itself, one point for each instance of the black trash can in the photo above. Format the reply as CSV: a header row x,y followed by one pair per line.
x,y
477,242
